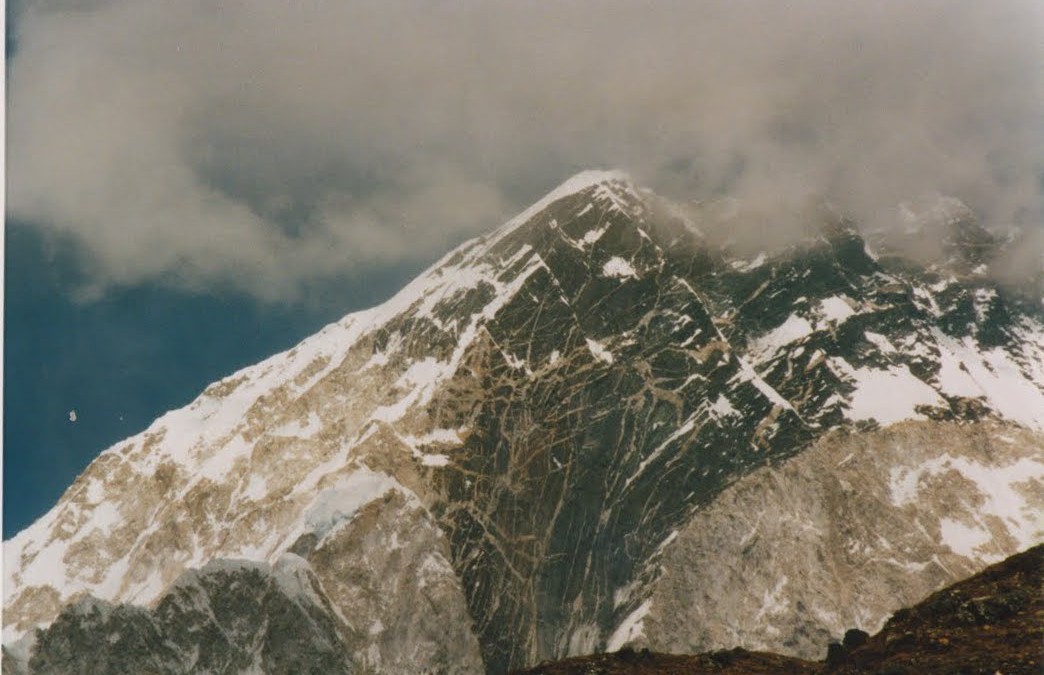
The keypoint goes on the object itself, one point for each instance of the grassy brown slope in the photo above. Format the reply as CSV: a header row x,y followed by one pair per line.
x,y
629,662
992,622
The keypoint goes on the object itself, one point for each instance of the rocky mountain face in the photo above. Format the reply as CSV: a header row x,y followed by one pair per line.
x,y
521,455
225,618
987,624
790,557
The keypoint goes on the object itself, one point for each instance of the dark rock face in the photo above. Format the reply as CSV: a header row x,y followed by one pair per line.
x,y
613,405
227,618
95,637
573,478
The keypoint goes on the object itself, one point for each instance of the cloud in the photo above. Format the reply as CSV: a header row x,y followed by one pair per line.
x,y
263,144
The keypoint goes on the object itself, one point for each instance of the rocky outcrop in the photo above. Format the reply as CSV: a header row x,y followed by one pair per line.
x,y
388,570
387,564
845,534
231,616
984,625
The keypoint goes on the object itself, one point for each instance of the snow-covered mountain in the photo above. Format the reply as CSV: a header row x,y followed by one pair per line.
x,y
576,432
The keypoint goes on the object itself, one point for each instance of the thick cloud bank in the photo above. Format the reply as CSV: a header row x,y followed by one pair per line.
x,y
264,143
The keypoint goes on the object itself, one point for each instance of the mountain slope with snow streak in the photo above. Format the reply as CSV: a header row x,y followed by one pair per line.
x,y
492,467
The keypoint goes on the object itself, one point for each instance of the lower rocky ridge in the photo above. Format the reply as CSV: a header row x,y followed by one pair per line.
x,y
859,525
229,617
988,624
363,590
783,560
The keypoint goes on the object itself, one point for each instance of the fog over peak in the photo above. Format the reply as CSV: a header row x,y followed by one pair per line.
x,y
265,144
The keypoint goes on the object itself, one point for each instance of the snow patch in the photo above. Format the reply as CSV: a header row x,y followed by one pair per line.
x,y
748,374
256,488
961,538
791,330
887,395
618,268
880,341
1002,490
684,429
446,436
95,491
577,183
338,505
748,265
516,362
836,309
993,376
599,351
591,236
630,629
983,298
439,437
105,516
722,407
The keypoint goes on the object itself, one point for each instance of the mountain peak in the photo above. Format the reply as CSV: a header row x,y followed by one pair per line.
x,y
582,181
932,210
613,180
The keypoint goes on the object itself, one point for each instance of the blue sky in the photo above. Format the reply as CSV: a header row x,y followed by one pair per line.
x,y
193,186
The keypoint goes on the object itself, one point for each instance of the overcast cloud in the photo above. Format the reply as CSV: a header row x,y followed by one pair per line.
x,y
261,144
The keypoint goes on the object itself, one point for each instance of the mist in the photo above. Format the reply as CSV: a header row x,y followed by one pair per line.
x,y
262,145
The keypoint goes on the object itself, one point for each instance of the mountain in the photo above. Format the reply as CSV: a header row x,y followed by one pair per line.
x,y
986,624
563,437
